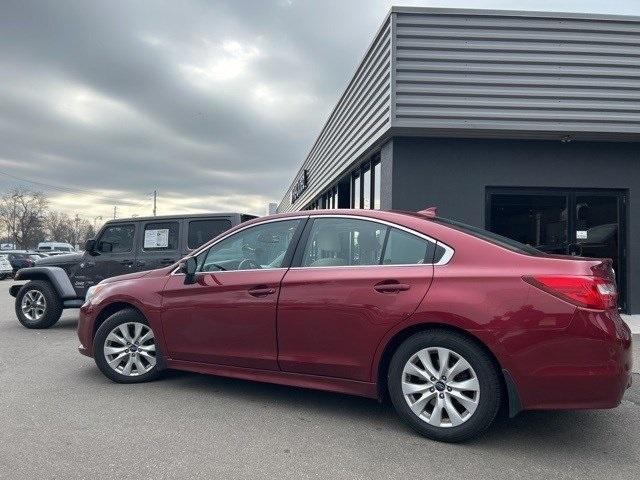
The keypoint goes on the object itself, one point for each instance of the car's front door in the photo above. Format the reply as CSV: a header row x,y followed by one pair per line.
x,y
228,315
352,281
114,255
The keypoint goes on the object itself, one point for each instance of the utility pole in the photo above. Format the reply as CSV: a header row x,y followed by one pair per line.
x,y
155,198
115,211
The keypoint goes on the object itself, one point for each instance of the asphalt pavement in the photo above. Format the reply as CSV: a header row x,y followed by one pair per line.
x,y
61,418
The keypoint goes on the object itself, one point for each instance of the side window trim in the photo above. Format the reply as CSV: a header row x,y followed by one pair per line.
x,y
298,256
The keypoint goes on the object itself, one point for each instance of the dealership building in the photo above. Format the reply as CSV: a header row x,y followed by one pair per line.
x,y
523,123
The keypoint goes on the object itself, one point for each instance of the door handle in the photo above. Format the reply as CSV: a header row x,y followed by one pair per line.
x,y
126,263
261,291
391,287
166,261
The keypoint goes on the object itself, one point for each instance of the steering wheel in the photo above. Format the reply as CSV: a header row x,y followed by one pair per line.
x,y
248,264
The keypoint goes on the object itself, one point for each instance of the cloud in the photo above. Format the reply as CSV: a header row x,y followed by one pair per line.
x,y
213,104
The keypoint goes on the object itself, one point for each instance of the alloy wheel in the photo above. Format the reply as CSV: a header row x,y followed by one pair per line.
x,y
440,387
130,349
34,305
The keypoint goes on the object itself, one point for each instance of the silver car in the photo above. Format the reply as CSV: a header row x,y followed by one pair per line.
x,y
6,270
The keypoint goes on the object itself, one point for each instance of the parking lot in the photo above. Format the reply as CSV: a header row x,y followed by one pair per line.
x,y
61,418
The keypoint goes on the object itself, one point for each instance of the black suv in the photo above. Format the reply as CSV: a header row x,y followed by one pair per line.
x,y
122,246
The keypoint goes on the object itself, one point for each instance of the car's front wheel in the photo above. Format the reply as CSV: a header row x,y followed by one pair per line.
x,y
444,385
124,348
38,305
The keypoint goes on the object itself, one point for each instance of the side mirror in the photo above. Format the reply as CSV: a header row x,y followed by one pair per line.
x,y
90,246
189,267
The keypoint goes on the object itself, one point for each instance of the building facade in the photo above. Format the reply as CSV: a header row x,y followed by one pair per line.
x,y
524,123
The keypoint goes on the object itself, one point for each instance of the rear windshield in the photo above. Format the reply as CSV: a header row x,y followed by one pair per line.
x,y
494,238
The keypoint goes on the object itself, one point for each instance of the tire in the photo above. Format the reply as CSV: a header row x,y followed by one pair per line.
x,y
38,293
127,320
444,409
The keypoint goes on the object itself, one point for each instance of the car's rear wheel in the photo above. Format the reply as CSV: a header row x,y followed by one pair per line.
x,y
444,385
125,349
38,305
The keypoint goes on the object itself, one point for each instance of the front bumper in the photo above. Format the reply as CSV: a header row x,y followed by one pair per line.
x,y
86,321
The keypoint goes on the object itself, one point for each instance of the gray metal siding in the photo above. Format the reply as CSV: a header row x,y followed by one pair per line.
x,y
361,118
481,73
516,72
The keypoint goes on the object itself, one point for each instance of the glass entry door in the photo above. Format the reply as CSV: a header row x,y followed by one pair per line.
x,y
586,223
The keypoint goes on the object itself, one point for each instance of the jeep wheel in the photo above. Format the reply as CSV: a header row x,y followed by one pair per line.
x,y
38,305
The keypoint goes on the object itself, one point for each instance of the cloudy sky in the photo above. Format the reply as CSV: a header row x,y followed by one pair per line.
x,y
214,104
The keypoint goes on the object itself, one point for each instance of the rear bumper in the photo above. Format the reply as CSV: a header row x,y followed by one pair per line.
x,y
588,365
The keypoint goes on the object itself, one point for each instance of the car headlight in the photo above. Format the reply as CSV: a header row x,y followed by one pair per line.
x,y
92,291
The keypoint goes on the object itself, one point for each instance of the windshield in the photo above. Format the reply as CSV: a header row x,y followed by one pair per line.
x,y
494,238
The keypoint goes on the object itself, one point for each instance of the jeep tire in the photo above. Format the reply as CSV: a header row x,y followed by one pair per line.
x,y
38,305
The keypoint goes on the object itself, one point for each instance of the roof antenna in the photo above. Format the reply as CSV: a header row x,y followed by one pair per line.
x,y
430,212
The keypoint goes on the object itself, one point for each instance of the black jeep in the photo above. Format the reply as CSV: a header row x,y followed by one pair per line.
x,y
122,246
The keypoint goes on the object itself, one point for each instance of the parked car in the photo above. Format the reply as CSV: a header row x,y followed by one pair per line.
x,y
122,246
20,259
6,270
55,247
450,321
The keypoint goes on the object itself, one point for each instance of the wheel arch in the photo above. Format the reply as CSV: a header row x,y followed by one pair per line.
x,y
396,340
56,276
109,310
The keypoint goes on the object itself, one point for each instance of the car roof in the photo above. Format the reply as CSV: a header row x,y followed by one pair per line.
x,y
388,215
171,217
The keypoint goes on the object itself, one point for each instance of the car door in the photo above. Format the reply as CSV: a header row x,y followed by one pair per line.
x,y
159,245
228,314
114,255
351,281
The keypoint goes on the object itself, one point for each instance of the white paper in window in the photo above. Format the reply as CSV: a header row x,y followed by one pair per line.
x,y
156,238
582,234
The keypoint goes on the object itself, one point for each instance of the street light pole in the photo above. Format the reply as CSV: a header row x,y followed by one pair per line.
x,y
155,197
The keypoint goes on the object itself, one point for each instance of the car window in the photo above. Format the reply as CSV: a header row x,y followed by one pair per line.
x,y
161,236
491,237
344,241
261,246
201,231
117,239
404,248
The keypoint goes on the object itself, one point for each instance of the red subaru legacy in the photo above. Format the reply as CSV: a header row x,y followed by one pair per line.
x,y
448,320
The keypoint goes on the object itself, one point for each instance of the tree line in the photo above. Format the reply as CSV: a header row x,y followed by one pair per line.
x,y
26,219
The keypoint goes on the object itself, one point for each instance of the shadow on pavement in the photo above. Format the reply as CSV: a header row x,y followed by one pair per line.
x,y
580,434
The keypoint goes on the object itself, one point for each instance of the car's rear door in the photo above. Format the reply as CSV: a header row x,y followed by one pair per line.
x,y
159,244
352,280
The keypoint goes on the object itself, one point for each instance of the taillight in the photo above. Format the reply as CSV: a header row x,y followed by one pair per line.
x,y
588,292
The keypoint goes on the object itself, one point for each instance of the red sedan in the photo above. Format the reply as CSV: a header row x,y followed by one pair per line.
x,y
448,320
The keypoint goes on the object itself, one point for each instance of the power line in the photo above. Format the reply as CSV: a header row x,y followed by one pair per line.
x,y
60,188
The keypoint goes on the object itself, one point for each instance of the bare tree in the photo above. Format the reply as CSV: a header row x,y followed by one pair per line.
x,y
59,227
22,214
63,228
86,230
